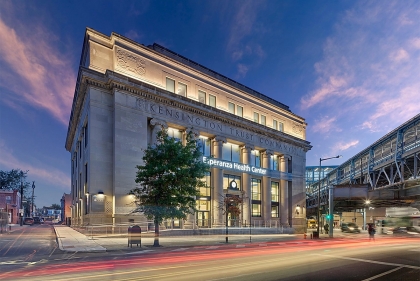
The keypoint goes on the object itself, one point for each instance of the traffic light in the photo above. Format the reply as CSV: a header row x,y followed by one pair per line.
x,y
328,217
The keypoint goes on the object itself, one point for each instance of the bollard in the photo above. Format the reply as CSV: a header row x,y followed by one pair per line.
x,y
304,236
311,236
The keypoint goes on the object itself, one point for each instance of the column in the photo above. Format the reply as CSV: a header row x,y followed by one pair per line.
x,y
246,184
157,126
217,179
266,187
284,206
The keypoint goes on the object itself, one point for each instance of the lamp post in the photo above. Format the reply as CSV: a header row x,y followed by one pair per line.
x,y
319,188
21,202
32,203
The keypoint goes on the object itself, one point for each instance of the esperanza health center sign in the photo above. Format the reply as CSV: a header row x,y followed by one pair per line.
x,y
234,166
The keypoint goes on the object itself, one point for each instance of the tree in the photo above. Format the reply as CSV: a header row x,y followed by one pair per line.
x,y
169,179
56,206
11,180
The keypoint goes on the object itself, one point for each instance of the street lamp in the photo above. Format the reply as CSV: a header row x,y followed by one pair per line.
x,y
33,190
319,187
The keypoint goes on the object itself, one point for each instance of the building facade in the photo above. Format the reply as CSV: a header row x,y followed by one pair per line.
x,y
10,205
126,92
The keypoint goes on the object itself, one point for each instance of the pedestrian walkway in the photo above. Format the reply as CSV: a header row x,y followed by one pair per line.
x,y
71,240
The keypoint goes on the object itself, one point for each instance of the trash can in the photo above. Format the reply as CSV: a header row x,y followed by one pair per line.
x,y
316,234
134,236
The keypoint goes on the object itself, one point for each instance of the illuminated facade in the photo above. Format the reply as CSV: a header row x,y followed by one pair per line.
x,y
126,92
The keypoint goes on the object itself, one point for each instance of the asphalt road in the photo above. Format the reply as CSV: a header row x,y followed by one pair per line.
x,y
337,259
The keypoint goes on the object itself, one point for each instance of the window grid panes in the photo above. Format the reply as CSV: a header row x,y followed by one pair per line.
x,y
228,178
274,162
256,117
231,152
182,89
202,96
240,111
212,100
255,158
175,133
170,85
256,189
275,124
263,120
206,191
256,210
204,144
231,107
274,192
274,211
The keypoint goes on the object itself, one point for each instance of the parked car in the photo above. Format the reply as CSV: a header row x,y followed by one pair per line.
x,y
37,220
350,228
409,230
28,221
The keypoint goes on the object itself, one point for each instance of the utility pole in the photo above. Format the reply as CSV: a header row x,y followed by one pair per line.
x,y
21,202
32,203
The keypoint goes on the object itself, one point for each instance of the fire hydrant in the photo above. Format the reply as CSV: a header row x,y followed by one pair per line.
x,y
304,235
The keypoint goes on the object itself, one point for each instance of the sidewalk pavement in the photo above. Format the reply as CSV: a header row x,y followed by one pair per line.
x,y
71,240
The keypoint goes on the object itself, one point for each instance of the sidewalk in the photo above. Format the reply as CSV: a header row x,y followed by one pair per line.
x,y
73,241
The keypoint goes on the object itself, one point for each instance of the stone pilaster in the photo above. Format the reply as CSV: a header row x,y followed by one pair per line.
x,y
246,184
284,205
217,175
266,187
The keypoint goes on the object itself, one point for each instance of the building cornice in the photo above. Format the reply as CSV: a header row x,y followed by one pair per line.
x,y
111,80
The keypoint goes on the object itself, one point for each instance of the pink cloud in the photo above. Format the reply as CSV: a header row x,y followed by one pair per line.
x,y
399,55
43,76
47,174
325,125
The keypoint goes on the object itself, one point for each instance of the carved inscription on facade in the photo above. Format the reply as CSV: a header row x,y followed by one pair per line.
x,y
216,127
130,62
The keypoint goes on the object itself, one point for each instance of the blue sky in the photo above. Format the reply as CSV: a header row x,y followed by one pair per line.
x,y
350,68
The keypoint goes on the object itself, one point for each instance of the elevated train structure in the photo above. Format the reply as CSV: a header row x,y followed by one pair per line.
x,y
385,174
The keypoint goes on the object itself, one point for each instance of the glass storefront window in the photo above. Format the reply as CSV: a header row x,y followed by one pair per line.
x,y
255,158
228,178
206,191
274,191
231,152
175,133
205,145
256,189
256,210
203,205
274,162
274,211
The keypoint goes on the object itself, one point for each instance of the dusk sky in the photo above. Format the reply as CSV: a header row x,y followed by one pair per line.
x,y
350,68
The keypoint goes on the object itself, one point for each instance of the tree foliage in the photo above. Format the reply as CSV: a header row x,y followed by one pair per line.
x,y
11,180
169,179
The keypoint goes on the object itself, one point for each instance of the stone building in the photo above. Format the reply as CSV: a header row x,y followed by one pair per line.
x,y
126,92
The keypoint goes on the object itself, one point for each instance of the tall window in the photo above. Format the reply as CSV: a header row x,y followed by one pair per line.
x,y
231,152
170,85
202,96
274,211
182,89
175,133
240,111
256,117
255,158
86,134
79,145
274,165
263,120
227,179
256,189
86,175
204,143
212,100
274,191
206,191
256,210
231,107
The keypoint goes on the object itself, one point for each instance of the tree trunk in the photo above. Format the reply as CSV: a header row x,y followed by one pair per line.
x,y
156,242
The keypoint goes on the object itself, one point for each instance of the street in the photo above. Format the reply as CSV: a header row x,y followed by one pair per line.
x,y
31,254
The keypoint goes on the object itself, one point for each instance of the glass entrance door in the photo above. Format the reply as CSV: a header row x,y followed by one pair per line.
x,y
203,219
